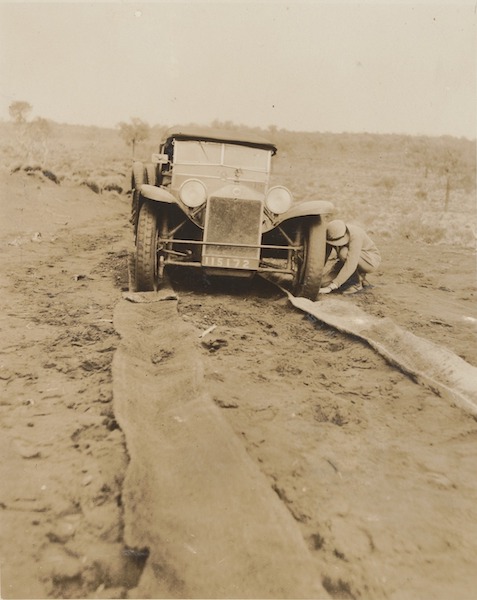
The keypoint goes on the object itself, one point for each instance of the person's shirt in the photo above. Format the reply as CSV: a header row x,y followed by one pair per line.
x,y
360,247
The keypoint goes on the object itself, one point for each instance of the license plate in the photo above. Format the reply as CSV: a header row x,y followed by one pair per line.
x,y
227,262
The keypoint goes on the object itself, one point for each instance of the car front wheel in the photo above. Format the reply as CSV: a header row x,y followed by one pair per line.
x,y
147,267
311,260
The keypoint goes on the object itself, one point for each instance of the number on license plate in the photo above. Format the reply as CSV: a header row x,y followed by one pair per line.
x,y
230,262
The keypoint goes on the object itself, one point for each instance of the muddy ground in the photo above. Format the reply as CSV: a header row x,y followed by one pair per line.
x,y
378,472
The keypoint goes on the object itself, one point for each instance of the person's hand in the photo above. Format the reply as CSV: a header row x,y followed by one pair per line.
x,y
328,289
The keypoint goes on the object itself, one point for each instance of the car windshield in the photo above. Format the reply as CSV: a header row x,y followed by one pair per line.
x,y
197,152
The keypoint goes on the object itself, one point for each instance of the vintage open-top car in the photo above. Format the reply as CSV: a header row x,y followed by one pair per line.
x,y
205,201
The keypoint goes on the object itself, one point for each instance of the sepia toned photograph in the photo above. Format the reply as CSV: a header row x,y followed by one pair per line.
x,y
238,348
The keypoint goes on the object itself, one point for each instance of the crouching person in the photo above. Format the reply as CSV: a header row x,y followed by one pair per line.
x,y
355,256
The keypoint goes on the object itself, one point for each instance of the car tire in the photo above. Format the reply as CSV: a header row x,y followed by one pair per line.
x,y
138,178
308,280
146,272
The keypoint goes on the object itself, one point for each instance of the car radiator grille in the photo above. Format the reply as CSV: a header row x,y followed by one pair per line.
x,y
230,221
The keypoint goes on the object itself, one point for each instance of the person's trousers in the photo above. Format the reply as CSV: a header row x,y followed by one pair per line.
x,y
334,266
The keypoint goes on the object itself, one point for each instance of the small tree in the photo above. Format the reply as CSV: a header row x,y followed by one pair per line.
x,y
19,110
451,160
454,164
134,132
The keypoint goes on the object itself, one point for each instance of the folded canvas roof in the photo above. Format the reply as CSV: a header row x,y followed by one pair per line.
x,y
218,135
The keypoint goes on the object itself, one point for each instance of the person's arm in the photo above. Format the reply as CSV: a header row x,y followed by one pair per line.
x,y
351,262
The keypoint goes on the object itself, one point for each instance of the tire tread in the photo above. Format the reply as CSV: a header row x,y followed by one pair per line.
x,y
146,270
314,260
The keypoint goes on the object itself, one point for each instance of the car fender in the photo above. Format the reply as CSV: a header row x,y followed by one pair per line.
x,y
158,194
308,208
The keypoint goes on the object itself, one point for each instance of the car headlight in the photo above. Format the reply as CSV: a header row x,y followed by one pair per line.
x,y
278,199
193,193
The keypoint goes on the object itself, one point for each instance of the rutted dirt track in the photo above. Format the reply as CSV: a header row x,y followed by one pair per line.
x,y
377,472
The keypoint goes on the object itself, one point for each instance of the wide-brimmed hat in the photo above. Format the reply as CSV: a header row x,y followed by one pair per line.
x,y
337,233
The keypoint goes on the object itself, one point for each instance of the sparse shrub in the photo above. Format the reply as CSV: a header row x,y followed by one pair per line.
x,y
35,170
466,182
113,187
387,182
51,176
93,186
424,227
432,233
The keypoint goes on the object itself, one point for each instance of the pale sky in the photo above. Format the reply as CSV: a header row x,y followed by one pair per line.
x,y
384,67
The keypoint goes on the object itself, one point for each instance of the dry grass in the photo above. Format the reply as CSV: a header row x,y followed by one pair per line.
x,y
77,155
392,185
374,181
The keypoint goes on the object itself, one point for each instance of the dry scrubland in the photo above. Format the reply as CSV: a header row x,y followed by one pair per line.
x,y
418,188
